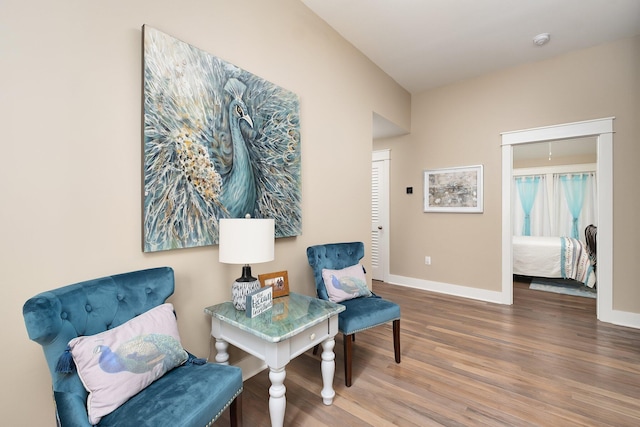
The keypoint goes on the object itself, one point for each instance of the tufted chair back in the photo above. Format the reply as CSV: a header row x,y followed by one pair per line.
x,y
360,313
333,256
53,318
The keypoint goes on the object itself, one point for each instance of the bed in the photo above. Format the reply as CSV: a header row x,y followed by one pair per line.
x,y
553,257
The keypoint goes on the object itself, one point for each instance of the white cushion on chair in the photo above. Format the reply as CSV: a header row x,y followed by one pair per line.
x,y
345,284
116,364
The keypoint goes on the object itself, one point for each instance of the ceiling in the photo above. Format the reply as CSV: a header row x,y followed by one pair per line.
x,y
424,44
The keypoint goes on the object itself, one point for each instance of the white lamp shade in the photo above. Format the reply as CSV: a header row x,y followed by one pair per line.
x,y
246,240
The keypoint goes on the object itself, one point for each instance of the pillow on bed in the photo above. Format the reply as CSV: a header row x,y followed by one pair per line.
x,y
117,364
345,284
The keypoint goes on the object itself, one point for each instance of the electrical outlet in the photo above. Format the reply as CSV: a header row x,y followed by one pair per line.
x,y
427,260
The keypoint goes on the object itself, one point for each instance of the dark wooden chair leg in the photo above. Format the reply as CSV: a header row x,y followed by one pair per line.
x,y
235,411
315,349
396,339
347,359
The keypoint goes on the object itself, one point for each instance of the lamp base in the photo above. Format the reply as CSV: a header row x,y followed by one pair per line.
x,y
239,292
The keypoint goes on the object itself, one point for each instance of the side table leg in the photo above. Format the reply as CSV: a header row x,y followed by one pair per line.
x,y
222,357
328,367
277,400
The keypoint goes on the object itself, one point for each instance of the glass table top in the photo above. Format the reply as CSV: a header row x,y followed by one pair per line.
x,y
289,316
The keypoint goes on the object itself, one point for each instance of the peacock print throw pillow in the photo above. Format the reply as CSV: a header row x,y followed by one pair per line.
x,y
117,364
345,284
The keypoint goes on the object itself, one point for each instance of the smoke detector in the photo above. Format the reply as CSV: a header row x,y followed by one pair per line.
x,y
541,39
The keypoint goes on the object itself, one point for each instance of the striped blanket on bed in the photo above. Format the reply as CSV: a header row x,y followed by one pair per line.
x,y
575,263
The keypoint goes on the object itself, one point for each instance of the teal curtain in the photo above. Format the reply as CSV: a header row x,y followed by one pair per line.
x,y
574,187
527,190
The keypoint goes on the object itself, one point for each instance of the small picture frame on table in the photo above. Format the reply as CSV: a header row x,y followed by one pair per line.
x,y
278,280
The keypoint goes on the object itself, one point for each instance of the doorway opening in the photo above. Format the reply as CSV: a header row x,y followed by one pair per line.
x,y
602,130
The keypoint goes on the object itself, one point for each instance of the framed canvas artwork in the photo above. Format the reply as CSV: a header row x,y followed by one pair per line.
x,y
219,142
456,189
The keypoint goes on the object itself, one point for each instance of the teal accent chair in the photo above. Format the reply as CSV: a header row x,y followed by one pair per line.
x,y
193,394
361,313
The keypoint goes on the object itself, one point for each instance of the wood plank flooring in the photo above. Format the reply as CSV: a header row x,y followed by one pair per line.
x,y
544,361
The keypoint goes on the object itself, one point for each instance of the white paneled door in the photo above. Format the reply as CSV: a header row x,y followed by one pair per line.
x,y
380,215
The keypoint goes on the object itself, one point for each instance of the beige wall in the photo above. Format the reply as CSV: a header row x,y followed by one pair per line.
x,y
460,125
71,144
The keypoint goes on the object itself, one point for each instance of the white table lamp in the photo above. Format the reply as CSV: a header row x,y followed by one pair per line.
x,y
245,241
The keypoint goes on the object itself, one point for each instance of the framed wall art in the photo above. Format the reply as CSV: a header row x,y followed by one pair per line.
x,y
278,280
457,189
219,142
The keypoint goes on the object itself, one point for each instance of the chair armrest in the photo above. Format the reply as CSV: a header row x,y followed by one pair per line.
x,y
72,409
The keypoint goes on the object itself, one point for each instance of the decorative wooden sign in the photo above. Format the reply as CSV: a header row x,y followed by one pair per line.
x,y
259,301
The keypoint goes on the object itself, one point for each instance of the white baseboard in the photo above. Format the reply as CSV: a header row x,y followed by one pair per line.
x,y
616,317
623,318
447,288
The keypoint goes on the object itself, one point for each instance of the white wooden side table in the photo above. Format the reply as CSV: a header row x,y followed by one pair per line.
x,y
292,326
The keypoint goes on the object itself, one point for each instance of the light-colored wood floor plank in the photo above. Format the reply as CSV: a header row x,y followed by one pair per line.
x,y
544,361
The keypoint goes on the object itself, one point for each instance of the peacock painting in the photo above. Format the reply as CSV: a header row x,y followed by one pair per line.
x,y
219,142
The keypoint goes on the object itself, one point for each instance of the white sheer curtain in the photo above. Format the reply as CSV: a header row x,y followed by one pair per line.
x,y
575,187
539,218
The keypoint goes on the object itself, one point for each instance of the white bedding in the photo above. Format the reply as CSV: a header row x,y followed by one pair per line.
x,y
553,257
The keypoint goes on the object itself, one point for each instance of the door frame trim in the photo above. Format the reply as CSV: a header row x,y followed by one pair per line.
x,y
602,129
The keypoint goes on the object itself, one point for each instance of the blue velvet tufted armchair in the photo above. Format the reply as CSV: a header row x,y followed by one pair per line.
x,y
362,313
188,395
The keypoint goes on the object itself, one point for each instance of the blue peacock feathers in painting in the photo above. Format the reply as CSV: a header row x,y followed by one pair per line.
x,y
239,185
219,142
